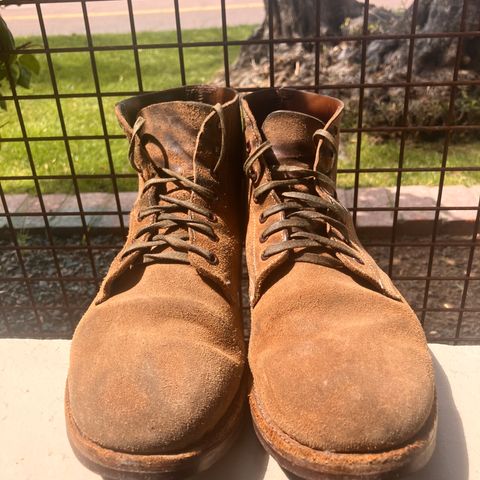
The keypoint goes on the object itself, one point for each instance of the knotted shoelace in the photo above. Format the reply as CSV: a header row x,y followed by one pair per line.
x,y
311,220
169,229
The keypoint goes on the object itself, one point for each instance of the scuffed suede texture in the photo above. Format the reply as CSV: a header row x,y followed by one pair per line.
x,y
158,358
338,366
339,360
156,366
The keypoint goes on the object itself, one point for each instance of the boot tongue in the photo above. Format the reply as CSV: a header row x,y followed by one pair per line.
x,y
290,134
170,133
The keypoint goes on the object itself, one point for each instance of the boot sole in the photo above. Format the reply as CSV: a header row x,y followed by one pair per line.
x,y
311,464
115,465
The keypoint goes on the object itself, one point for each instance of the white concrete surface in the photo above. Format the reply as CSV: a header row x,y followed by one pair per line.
x,y
33,443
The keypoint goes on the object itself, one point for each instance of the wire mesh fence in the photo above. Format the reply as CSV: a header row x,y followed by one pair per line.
x,y
48,275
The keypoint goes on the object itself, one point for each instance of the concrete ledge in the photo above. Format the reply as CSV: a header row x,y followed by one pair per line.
x,y
33,443
411,217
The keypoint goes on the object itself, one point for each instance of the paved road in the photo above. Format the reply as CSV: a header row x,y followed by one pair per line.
x,y
150,15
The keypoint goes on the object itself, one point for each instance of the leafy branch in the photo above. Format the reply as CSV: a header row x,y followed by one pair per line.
x,y
15,69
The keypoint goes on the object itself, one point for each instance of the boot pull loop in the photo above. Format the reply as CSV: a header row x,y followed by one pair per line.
x,y
325,136
219,110
136,128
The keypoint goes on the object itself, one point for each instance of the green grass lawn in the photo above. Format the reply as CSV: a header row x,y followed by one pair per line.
x,y
160,70
417,154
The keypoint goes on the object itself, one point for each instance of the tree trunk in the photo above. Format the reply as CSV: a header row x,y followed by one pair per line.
x,y
431,53
386,60
296,19
293,18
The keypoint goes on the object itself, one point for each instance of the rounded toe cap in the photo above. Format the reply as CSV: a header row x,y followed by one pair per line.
x,y
338,366
335,395
145,390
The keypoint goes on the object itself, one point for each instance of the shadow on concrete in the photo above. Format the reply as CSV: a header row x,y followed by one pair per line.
x,y
247,460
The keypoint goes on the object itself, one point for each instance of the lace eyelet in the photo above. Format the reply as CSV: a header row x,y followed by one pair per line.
x,y
261,218
213,218
262,238
212,259
264,257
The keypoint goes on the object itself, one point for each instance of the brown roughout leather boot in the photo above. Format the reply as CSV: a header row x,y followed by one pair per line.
x,y
156,383
343,383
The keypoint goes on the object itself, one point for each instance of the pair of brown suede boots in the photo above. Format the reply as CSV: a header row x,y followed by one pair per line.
x,y
343,384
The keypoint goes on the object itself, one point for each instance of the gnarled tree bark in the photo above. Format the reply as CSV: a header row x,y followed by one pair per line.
x,y
386,60
433,16
297,19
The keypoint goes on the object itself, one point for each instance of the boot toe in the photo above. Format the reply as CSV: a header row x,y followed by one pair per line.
x,y
347,370
346,399
145,390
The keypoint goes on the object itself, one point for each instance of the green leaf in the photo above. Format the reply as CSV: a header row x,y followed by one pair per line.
x,y
24,77
15,71
7,43
30,61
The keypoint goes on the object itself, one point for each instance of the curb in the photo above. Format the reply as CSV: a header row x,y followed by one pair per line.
x,y
375,210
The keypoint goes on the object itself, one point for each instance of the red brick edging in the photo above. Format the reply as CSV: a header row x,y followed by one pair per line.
x,y
415,215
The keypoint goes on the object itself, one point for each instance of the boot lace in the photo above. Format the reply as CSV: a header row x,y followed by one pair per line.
x,y
311,220
170,227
